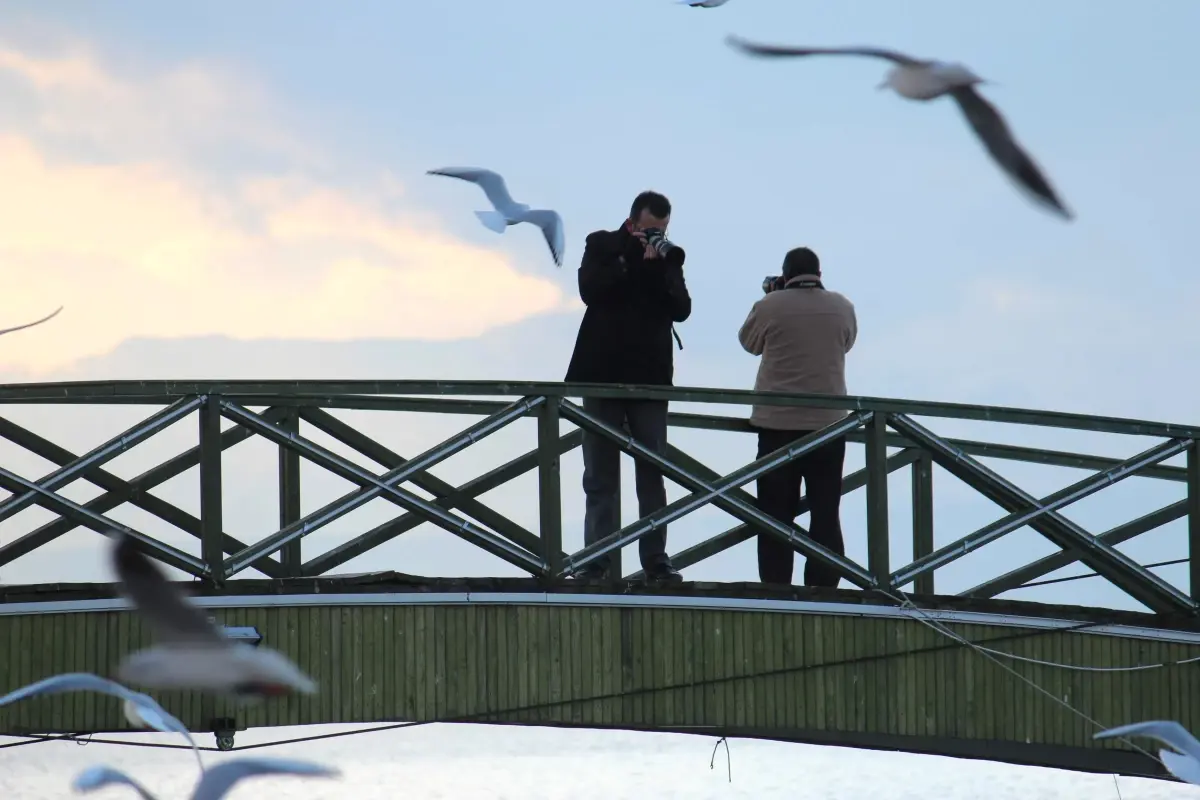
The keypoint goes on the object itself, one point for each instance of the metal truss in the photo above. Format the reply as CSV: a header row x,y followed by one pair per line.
x,y
879,425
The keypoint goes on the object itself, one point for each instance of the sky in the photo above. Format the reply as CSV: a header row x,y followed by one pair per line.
x,y
239,191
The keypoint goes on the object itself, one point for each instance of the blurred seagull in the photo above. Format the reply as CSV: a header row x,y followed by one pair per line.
x,y
141,710
46,318
920,79
508,211
1186,767
191,652
213,784
704,3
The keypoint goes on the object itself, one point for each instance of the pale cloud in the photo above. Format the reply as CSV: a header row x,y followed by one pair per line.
x,y
82,99
146,243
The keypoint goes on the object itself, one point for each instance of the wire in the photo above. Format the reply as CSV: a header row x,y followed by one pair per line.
x,y
728,760
622,694
1085,575
987,653
922,615
919,614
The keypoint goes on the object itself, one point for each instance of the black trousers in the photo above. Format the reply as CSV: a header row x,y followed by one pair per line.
x,y
647,424
779,497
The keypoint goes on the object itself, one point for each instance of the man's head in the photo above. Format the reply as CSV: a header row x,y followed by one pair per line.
x,y
650,210
801,261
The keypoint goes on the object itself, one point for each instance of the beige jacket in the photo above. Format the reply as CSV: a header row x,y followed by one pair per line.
x,y
803,335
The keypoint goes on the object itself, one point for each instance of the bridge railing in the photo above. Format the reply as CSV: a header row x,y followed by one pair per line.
x,y
876,423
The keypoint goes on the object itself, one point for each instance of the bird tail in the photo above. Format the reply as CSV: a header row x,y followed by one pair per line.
x,y
492,220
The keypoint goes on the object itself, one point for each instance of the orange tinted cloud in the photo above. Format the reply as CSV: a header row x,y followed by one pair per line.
x,y
147,244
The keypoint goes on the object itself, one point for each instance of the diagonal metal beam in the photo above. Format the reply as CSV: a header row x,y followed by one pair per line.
x,y
114,447
336,556
1017,578
139,487
1051,502
1125,573
383,485
102,524
715,493
736,535
1007,452
356,440
115,486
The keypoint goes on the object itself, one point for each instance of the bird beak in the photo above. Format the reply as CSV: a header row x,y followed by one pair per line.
x,y
882,85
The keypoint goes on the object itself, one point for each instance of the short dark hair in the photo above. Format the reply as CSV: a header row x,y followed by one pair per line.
x,y
800,261
655,203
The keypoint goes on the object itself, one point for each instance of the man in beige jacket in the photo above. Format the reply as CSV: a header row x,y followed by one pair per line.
x,y
802,331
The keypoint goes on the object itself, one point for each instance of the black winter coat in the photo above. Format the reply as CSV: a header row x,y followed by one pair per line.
x,y
626,332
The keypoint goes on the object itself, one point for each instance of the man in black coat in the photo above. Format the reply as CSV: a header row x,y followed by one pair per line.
x,y
631,281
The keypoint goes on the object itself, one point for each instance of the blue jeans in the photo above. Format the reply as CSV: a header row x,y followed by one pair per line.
x,y
647,424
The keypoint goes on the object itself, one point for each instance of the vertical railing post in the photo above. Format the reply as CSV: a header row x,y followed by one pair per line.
x,y
289,494
549,485
878,557
211,524
922,509
1193,516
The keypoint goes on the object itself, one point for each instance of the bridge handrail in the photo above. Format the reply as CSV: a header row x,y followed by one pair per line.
x,y
879,424
165,391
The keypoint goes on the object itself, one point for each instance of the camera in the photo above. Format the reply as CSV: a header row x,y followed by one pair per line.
x,y
666,249
773,282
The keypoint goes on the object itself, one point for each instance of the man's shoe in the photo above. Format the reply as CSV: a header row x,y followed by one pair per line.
x,y
663,573
592,572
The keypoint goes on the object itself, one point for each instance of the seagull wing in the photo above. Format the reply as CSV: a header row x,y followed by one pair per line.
x,y
1185,768
46,318
170,616
67,682
493,184
770,50
94,778
993,131
218,780
1168,732
154,715
158,718
552,228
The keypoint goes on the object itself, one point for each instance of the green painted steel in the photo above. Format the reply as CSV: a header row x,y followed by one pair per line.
x,y
796,676
375,392
800,676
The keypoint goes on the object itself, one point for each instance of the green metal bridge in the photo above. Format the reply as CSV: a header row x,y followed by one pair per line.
x,y
887,662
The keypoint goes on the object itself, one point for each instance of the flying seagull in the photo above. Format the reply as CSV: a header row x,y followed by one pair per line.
x,y
213,784
921,79
1186,767
46,318
140,709
508,211
703,3
191,652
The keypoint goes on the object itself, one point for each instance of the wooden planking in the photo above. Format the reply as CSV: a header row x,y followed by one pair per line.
x,y
631,667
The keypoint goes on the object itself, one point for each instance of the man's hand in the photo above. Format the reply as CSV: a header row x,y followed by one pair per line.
x,y
650,252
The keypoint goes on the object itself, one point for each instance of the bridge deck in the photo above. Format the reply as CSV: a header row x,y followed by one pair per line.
x,y
854,666
835,667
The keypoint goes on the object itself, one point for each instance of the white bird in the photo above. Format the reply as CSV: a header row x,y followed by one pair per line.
x,y
190,651
508,211
1186,767
140,709
703,3
46,318
924,80
214,783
